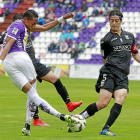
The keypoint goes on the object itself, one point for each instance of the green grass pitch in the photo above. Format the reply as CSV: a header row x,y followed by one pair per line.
x,y
13,112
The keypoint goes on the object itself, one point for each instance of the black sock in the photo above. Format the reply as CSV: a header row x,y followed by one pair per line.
x,y
36,114
90,110
62,117
114,113
27,126
62,91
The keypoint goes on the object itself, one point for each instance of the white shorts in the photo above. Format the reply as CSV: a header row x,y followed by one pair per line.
x,y
19,68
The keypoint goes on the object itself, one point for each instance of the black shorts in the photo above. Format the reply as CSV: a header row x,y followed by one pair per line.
x,y
111,79
42,69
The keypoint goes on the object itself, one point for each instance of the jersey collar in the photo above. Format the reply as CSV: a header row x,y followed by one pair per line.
x,y
116,33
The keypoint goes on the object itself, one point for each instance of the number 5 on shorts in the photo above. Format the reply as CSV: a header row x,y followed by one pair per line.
x,y
103,80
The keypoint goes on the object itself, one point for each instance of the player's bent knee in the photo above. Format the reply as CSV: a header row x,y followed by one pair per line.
x,y
53,79
32,82
50,77
104,104
101,105
28,86
121,99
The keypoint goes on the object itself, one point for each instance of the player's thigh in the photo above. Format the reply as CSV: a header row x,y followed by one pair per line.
x,y
50,77
16,76
120,96
105,95
104,98
121,87
25,65
44,72
20,68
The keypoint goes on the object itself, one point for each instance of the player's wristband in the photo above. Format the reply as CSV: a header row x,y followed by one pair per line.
x,y
60,19
1,62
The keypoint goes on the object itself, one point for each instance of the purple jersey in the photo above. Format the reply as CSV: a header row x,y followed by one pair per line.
x,y
17,31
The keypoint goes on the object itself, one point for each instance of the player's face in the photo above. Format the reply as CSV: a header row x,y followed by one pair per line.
x,y
30,23
115,23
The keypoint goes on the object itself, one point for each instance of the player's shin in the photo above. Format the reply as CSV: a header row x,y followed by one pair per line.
x,y
64,95
31,108
114,113
41,103
36,108
62,91
89,111
46,107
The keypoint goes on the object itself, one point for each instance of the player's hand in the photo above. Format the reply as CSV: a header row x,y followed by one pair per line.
x,y
68,15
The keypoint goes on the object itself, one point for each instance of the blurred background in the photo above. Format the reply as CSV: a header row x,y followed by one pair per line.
x,y
72,48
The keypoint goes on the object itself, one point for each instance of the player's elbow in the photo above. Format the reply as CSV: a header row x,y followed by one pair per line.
x,y
136,57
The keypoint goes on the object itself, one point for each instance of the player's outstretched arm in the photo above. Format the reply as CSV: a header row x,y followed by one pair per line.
x,y
136,56
9,43
48,26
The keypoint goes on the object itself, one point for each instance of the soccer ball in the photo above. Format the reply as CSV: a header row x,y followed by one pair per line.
x,y
80,123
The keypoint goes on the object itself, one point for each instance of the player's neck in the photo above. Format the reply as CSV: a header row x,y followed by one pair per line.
x,y
117,31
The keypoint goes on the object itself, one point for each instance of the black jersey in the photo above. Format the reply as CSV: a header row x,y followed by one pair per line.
x,y
2,37
30,50
117,49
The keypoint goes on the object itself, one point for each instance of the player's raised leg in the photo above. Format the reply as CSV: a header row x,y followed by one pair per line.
x,y
50,77
32,113
44,105
115,111
22,78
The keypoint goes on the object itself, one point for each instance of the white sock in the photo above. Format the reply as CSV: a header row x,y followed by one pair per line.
x,y
34,85
85,114
31,108
41,103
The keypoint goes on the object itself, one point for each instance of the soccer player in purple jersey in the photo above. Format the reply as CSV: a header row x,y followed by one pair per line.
x,y
44,73
19,66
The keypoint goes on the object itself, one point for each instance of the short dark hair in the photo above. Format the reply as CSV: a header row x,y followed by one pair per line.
x,y
30,14
17,16
116,12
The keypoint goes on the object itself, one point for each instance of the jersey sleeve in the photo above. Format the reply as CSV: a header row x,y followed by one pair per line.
x,y
15,30
104,48
134,48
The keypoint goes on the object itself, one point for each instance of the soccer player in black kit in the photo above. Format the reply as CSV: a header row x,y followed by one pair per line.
x,y
116,49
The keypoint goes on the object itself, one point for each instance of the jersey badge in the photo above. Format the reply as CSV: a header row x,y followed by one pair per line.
x,y
126,36
14,31
102,83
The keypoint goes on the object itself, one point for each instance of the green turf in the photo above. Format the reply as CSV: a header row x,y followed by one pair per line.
x,y
13,112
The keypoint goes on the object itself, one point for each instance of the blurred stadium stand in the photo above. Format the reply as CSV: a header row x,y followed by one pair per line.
x,y
98,27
